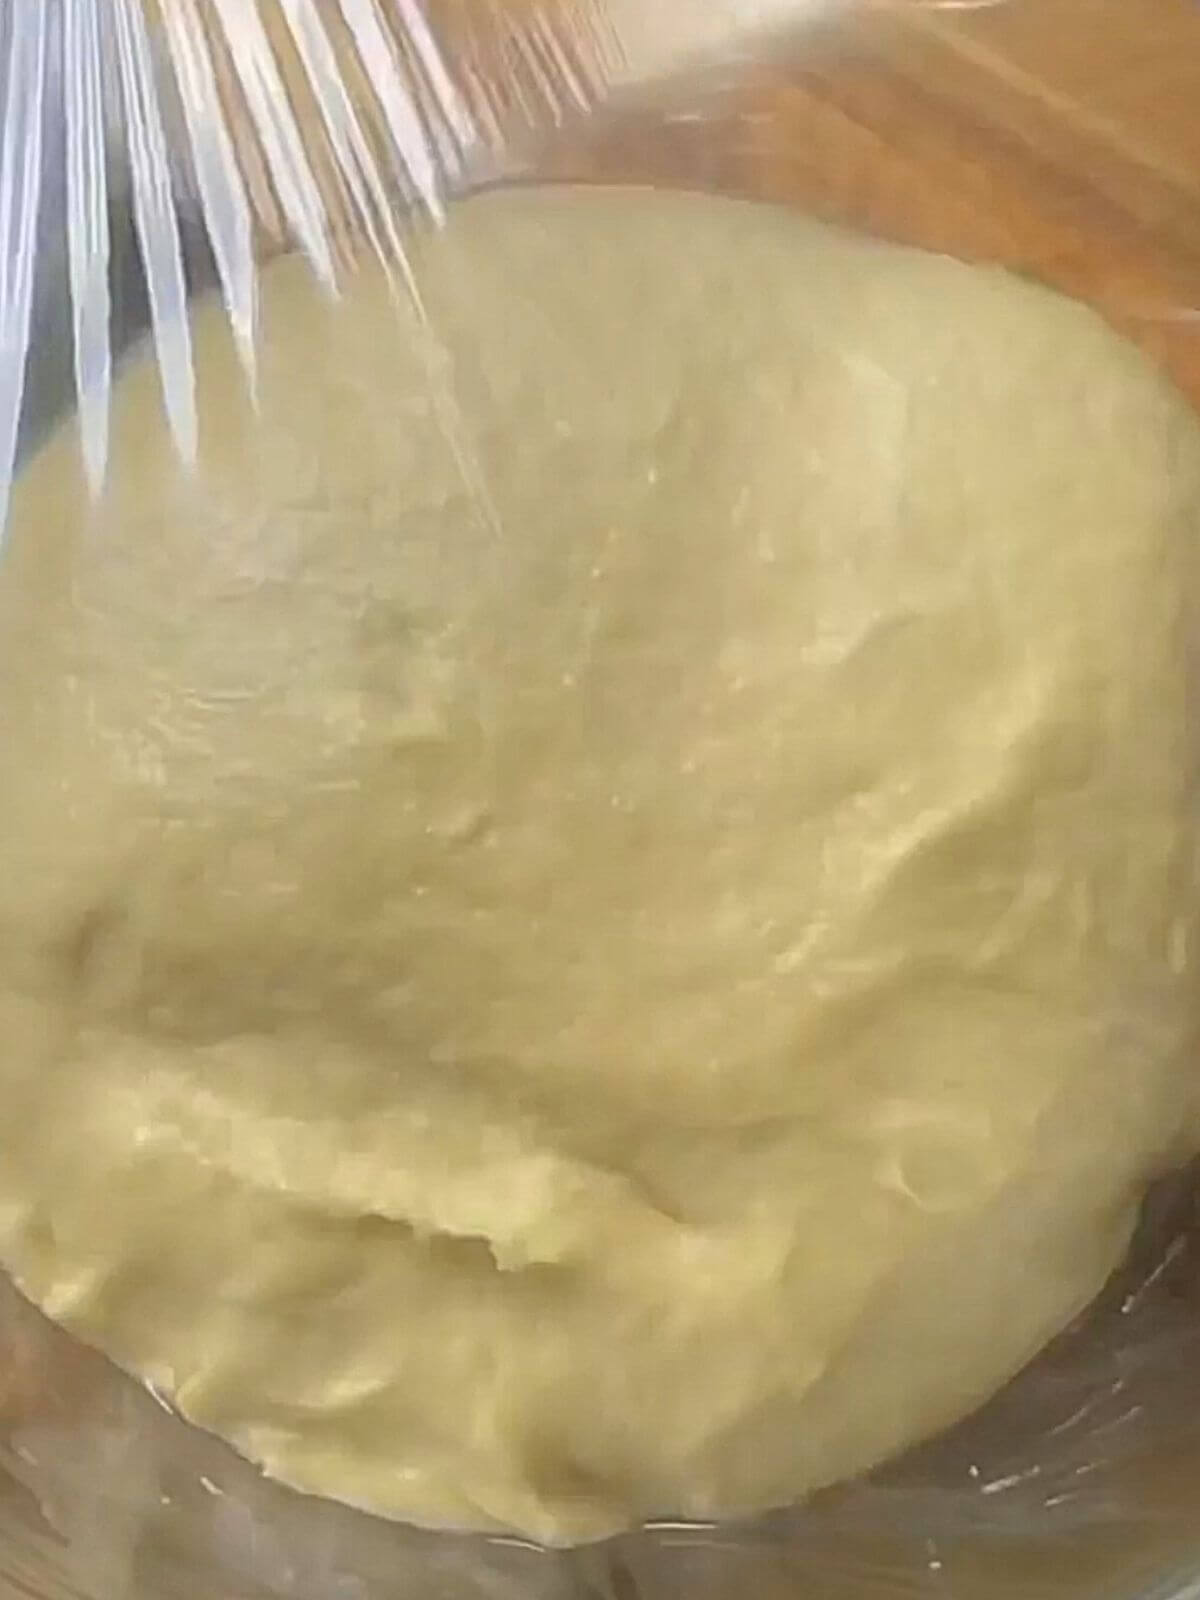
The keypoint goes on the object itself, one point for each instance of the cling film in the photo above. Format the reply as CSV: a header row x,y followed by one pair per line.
x,y
156,151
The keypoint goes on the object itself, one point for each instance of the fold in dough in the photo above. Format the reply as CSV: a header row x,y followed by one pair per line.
x,y
598,911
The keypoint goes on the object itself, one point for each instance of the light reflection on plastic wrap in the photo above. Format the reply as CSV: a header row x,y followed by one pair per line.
x,y
298,125
314,125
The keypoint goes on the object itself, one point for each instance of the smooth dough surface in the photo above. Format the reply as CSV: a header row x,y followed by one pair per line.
x,y
598,912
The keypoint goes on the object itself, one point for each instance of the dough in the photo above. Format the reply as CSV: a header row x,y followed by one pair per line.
x,y
598,914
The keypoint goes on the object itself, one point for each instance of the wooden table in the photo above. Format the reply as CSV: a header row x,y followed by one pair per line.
x,y
1060,137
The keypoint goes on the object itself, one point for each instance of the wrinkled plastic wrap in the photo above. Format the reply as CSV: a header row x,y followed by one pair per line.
x,y
152,149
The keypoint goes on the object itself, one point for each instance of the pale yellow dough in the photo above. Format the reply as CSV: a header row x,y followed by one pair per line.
x,y
598,915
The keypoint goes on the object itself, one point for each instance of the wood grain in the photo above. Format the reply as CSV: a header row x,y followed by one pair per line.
x,y
1059,137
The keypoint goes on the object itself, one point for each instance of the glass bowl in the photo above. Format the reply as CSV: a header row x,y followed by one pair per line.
x,y
1062,138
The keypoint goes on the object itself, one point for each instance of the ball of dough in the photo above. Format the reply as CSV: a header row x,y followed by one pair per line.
x,y
598,911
